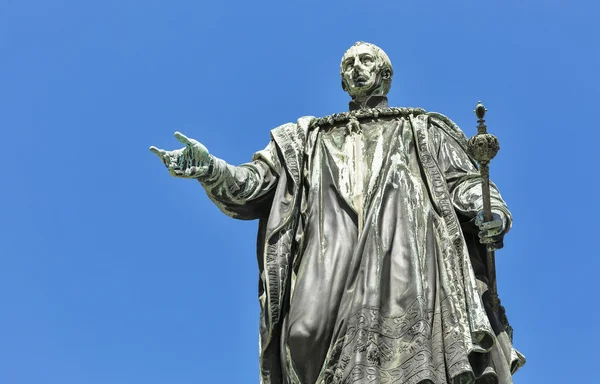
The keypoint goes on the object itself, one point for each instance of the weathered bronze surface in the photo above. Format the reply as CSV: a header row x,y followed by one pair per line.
x,y
372,240
484,147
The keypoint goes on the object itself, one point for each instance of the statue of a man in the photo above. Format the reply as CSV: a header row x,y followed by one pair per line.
x,y
370,244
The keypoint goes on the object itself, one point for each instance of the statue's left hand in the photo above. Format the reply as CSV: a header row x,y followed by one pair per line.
x,y
190,162
491,233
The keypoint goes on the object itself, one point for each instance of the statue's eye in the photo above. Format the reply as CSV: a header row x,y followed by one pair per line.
x,y
348,64
366,59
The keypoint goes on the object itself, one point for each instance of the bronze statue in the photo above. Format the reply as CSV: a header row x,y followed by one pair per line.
x,y
372,242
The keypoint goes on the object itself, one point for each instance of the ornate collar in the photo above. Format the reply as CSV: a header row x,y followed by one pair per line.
x,y
361,114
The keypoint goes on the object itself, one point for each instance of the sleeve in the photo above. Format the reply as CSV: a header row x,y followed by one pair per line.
x,y
246,191
462,175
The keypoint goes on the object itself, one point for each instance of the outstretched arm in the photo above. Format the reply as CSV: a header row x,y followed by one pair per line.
x,y
243,192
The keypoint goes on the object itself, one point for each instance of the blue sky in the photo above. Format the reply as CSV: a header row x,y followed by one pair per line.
x,y
113,272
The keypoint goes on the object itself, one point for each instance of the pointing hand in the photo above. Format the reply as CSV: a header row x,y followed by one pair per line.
x,y
190,162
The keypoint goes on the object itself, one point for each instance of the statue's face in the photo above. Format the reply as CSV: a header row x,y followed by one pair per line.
x,y
359,70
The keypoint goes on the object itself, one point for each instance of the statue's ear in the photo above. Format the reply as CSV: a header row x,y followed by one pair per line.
x,y
344,87
387,74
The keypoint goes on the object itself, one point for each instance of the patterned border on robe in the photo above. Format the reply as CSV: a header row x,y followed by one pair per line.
x,y
275,244
276,233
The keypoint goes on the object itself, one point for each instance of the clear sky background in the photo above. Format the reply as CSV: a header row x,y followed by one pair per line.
x,y
113,272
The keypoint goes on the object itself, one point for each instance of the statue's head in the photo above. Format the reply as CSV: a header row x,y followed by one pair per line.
x,y
366,71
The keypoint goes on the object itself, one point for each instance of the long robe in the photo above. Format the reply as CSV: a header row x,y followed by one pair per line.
x,y
370,271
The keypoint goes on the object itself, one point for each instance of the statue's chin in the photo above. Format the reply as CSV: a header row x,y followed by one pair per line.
x,y
361,93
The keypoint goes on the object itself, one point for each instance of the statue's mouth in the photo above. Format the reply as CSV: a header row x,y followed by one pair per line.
x,y
360,81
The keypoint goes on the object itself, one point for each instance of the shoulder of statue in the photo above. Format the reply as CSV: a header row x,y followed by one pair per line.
x,y
444,123
301,123
294,131
291,137
361,114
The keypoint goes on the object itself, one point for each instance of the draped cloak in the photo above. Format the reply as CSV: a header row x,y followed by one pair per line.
x,y
370,266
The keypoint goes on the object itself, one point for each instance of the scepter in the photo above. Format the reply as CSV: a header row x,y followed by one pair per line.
x,y
483,147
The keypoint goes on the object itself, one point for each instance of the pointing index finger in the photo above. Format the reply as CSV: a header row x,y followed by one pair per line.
x,y
183,138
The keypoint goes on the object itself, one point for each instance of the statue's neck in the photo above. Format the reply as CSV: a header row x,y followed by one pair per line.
x,y
375,101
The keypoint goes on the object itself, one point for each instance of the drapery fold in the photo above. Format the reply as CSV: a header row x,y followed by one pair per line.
x,y
397,298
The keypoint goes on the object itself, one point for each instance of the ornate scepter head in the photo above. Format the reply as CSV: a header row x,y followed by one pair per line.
x,y
483,146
